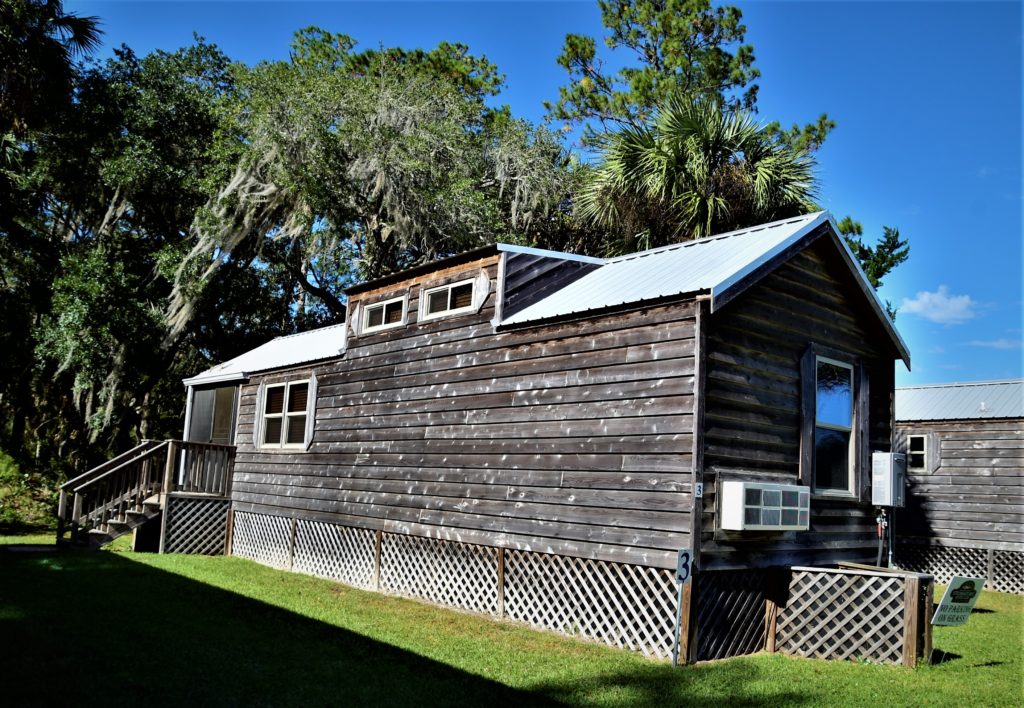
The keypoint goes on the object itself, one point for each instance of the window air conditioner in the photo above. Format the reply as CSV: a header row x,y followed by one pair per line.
x,y
763,506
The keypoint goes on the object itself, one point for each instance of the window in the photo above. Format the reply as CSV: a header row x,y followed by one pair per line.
x,y
917,454
450,299
833,425
384,315
285,408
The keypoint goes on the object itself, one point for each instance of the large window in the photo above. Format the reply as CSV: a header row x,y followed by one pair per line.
x,y
833,425
383,315
452,299
285,409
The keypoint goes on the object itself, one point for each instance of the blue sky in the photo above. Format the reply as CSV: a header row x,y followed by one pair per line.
x,y
927,96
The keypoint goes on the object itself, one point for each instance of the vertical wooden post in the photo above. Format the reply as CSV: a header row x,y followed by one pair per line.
x,y
501,582
76,514
926,617
62,507
165,492
990,566
688,626
291,546
376,559
771,619
911,618
229,531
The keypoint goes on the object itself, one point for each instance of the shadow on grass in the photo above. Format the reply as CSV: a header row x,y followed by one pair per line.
x,y
87,628
83,628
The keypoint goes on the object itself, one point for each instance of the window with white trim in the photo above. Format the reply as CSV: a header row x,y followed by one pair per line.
x,y
451,299
285,409
384,315
833,425
917,454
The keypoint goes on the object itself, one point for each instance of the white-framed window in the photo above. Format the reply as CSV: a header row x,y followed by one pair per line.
x,y
917,454
286,408
452,299
384,315
833,426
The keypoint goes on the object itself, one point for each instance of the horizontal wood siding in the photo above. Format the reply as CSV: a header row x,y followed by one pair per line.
x,y
530,278
752,405
572,439
975,495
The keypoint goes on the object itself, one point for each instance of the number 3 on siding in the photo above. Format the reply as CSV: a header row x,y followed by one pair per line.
x,y
683,566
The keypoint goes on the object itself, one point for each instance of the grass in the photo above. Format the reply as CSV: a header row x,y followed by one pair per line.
x,y
91,628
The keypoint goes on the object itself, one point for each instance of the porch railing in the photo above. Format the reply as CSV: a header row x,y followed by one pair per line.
x,y
120,490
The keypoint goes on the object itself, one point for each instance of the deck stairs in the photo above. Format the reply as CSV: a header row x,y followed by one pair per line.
x,y
133,489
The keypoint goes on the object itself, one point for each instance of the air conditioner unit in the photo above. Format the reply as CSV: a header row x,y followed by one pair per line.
x,y
764,506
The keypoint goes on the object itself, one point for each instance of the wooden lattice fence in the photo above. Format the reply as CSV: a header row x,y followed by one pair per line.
x,y
731,612
1003,569
195,524
336,552
853,614
443,572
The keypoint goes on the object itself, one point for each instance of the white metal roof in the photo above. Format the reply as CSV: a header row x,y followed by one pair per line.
x,y
706,265
715,265
961,401
302,348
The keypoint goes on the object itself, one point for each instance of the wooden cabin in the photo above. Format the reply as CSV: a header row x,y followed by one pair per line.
x,y
965,470
538,434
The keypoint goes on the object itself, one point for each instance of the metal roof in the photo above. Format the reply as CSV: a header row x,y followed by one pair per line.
x,y
717,265
302,348
961,401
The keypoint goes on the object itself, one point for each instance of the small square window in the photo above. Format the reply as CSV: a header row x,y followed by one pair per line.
x,y
285,409
384,315
452,299
917,454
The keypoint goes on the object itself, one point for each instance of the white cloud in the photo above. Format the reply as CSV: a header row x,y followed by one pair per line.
x,y
941,307
997,343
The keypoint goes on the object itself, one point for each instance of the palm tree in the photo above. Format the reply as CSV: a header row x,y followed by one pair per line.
x,y
39,43
693,171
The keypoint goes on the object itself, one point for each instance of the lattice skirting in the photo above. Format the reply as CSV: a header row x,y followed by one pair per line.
x,y
626,606
196,525
731,613
835,615
1004,569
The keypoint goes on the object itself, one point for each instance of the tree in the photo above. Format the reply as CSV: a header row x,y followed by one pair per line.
x,y
879,260
683,47
695,170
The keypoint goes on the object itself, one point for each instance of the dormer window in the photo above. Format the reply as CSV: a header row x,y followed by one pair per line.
x,y
451,299
384,315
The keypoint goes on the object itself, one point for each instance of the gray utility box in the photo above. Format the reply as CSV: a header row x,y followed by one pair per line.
x,y
888,478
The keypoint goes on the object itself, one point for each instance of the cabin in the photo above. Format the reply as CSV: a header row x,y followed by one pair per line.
x,y
964,511
539,435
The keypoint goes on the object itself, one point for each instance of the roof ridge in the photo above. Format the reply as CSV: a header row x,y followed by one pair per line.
x,y
956,384
299,334
716,237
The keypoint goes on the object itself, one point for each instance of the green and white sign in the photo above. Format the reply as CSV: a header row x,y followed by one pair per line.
x,y
958,601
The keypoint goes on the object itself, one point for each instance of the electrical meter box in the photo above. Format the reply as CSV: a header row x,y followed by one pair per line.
x,y
888,478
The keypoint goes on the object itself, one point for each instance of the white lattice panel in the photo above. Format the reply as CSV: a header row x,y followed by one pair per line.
x,y
622,605
1008,571
336,552
196,526
943,562
832,615
445,572
262,538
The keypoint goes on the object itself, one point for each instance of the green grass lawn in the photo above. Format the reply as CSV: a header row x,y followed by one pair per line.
x,y
81,628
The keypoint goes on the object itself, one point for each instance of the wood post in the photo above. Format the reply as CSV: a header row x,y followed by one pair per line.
x,y
911,618
291,546
501,582
688,626
376,559
926,617
62,507
990,565
229,531
76,514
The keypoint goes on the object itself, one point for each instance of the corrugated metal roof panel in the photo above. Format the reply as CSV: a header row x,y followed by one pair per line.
x,y
961,401
705,265
302,348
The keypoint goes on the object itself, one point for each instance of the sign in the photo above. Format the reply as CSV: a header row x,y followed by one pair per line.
x,y
683,562
958,601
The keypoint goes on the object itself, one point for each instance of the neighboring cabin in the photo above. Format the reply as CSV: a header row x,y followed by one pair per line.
x,y
541,422
965,481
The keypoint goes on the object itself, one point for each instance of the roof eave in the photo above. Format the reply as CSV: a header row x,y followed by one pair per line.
x,y
200,379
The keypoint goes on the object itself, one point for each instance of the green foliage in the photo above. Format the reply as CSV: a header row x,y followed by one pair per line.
x,y
879,260
682,47
25,498
694,171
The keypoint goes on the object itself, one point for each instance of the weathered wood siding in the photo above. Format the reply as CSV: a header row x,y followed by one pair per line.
x,y
752,405
572,439
974,497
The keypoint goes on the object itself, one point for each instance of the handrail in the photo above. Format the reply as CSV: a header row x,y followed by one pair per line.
x,y
102,467
121,466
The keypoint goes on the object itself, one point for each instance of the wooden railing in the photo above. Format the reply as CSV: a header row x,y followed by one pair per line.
x,y
111,493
